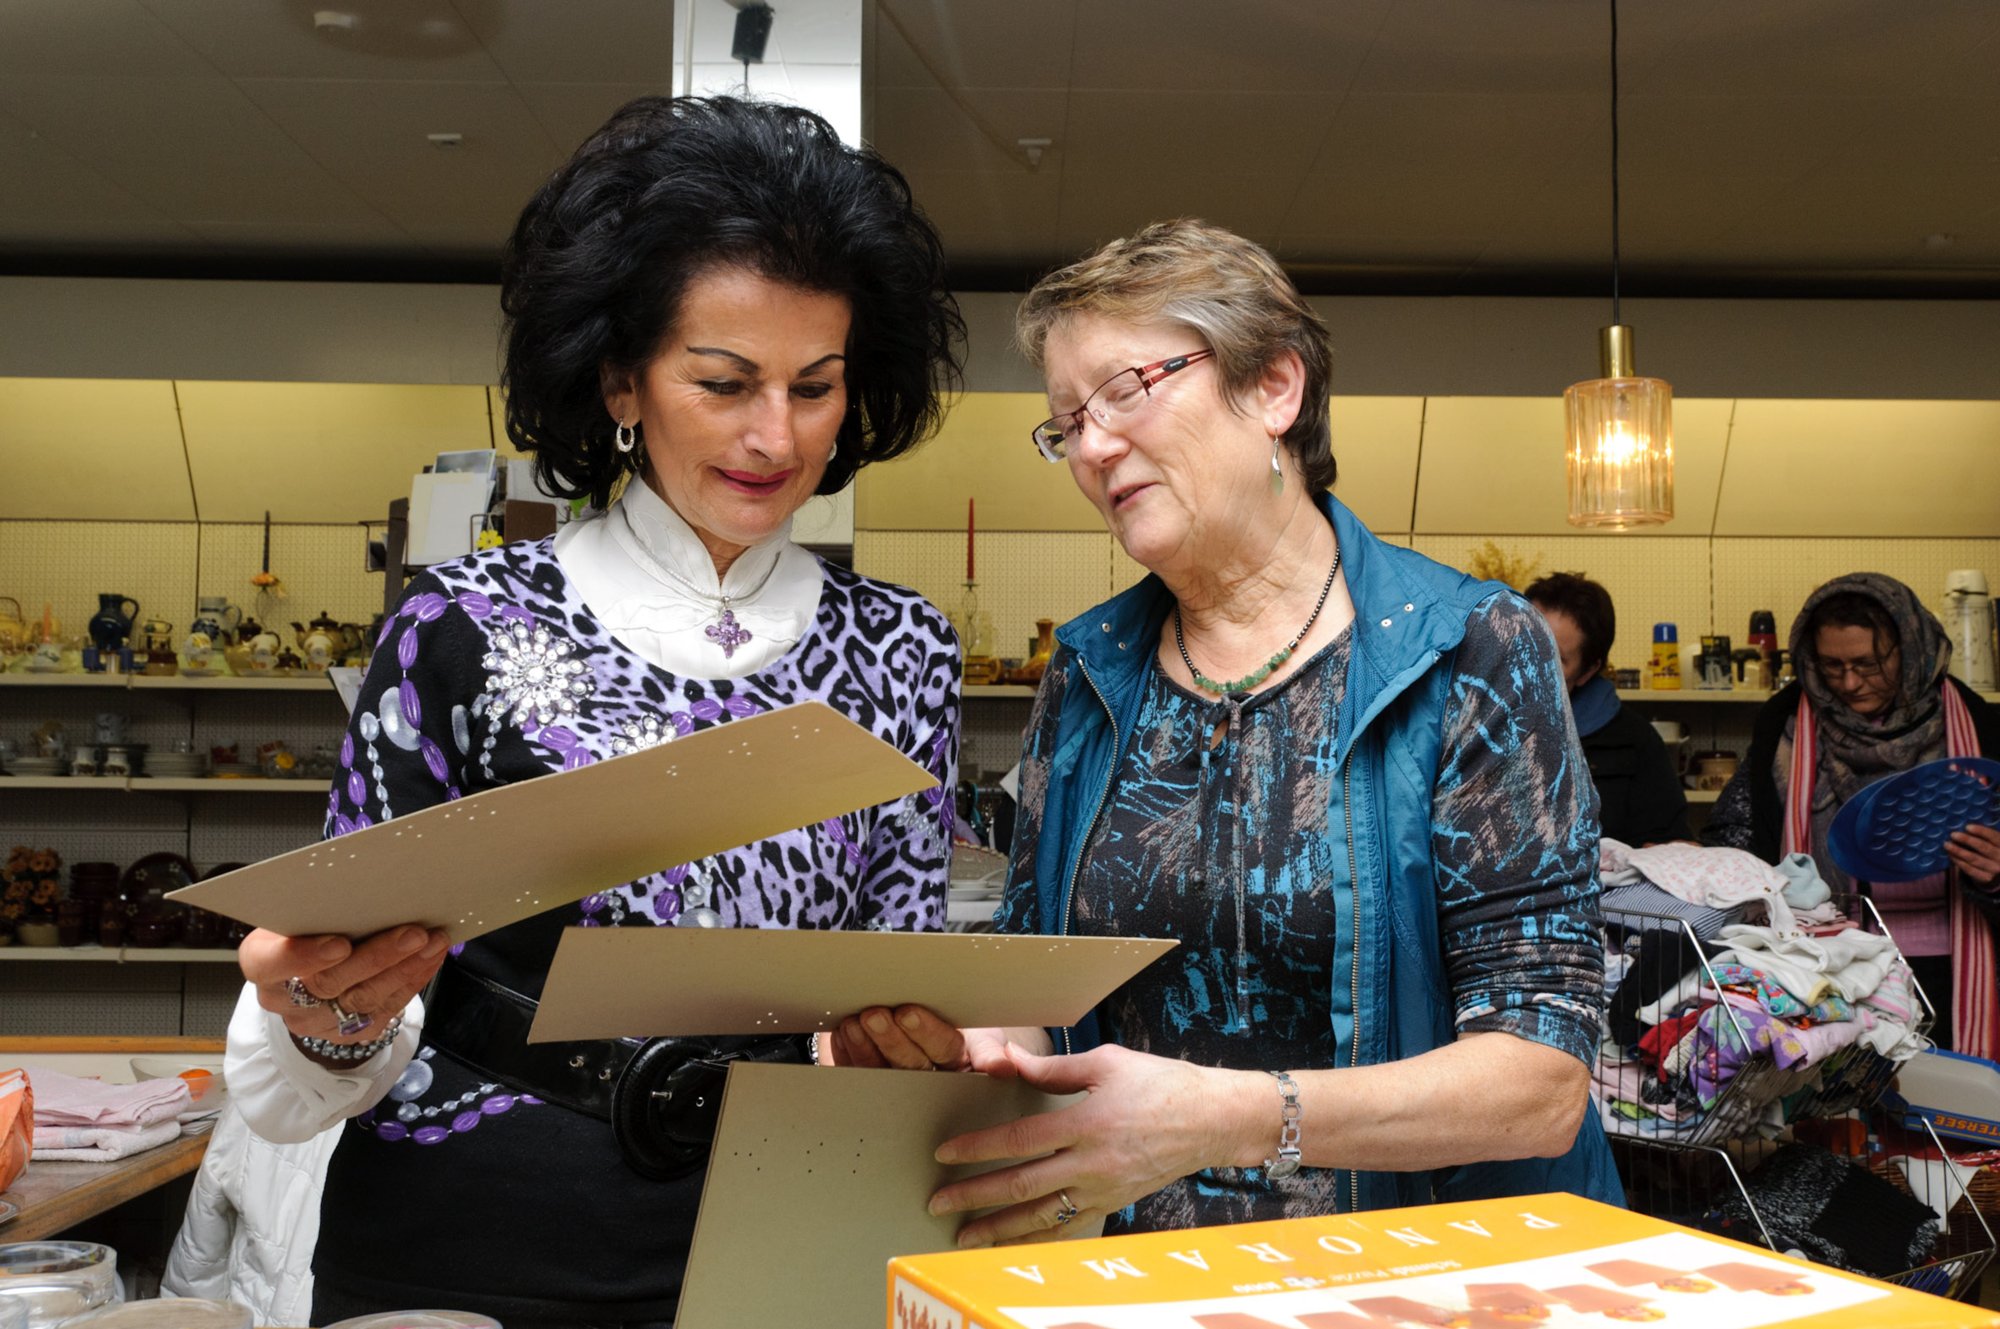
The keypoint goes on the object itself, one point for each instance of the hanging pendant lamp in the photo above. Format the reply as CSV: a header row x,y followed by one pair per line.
x,y
1620,426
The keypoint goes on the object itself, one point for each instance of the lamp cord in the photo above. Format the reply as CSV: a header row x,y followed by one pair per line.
x,y
1614,162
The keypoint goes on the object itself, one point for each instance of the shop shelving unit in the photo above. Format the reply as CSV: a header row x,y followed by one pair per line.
x,y
172,990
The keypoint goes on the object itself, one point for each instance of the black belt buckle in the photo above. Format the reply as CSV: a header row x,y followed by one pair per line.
x,y
668,1098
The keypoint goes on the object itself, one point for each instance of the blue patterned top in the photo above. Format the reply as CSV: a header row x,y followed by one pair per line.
x,y
1224,831
456,1190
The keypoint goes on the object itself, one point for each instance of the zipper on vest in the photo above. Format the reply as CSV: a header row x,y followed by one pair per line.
x,y
1083,846
1354,980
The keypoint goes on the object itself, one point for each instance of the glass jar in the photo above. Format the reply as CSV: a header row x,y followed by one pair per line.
x,y
59,1280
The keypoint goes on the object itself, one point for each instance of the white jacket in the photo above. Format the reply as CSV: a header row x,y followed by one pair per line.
x,y
251,1223
253,1218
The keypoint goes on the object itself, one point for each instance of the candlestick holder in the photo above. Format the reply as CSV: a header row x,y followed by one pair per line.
x,y
974,624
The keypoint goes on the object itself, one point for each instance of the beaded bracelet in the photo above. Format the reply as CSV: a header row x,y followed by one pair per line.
x,y
320,1047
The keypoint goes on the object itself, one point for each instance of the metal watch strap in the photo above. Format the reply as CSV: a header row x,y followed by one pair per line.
x,y
1287,1160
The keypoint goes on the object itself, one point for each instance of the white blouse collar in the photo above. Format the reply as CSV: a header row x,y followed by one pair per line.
x,y
658,537
617,563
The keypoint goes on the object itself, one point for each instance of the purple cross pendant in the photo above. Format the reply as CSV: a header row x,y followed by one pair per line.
x,y
727,633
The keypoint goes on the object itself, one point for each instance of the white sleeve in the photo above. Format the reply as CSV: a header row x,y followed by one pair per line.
x,y
286,1096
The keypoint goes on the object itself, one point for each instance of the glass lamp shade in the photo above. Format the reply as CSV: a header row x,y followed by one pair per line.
x,y
1621,443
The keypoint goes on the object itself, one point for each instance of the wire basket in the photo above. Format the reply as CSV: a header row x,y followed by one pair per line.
x,y
1760,1095
1693,1184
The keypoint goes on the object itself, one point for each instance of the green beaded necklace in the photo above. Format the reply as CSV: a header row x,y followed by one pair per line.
x,y
1252,679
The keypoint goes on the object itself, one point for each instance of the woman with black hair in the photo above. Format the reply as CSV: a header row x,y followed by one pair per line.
x,y
715,310
1873,698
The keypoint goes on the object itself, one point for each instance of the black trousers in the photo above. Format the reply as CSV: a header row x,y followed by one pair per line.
x,y
331,1304
1934,972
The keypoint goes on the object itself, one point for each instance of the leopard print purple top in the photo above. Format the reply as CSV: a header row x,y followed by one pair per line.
x,y
493,671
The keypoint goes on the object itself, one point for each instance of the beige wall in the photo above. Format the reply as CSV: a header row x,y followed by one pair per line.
x,y
1443,416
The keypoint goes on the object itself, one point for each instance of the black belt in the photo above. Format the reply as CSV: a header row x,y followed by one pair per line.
x,y
662,1096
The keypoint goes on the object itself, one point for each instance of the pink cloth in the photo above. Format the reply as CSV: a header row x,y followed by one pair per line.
x,y
63,1100
100,1144
1917,913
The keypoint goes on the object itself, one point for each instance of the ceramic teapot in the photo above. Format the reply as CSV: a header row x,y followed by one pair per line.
x,y
321,641
14,630
216,619
158,635
263,645
111,625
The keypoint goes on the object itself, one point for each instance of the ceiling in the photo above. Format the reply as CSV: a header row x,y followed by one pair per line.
x,y
1768,146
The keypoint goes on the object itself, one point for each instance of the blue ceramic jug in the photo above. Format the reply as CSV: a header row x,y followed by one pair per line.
x,y
108,626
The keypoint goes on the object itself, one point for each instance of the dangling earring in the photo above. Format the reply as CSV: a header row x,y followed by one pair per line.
x,y
1277,473
625,436
833,451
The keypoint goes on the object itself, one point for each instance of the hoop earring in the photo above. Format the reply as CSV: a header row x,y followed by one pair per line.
x,y
833,451
625,437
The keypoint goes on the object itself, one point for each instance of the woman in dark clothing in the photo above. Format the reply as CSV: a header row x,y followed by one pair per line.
x,y
1876,700
1640,796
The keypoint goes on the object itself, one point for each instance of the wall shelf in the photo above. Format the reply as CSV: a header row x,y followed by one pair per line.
x,y
172,682
119,955
147,784
998,691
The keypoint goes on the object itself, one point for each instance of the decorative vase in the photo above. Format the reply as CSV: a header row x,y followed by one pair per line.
x,y
110,625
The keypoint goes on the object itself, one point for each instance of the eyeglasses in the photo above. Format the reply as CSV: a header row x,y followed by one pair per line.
x,y
1864,671
1115,398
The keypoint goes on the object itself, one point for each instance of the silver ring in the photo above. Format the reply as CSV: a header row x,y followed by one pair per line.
x,y
295,988
1068,1210
351,1023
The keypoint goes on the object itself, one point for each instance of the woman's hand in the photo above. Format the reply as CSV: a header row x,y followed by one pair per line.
x,y
375,977
1148,1121
915,1038
1976,851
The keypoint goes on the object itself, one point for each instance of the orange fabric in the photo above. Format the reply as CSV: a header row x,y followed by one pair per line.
x,y
17,1126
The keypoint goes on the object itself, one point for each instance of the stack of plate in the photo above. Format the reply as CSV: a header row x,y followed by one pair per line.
x,y
176,765
38,766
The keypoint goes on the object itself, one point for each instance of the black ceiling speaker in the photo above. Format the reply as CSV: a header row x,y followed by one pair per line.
x,y
753,29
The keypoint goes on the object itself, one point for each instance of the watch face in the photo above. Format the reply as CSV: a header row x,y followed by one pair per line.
x,y
1287,1164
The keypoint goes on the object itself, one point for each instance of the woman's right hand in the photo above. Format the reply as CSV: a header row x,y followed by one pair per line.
x,y
375,977
915,1038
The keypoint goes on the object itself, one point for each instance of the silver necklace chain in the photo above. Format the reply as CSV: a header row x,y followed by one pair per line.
x,y
720,600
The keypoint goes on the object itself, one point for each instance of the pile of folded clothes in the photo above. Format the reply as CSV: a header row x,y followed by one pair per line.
x,y
1774,978
93,1122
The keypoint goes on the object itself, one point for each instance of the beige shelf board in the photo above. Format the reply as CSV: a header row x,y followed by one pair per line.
x,y
317,682
1693,694
1704,695
28,680
120,955
172,682
113,782
147,784
1703,795
997,691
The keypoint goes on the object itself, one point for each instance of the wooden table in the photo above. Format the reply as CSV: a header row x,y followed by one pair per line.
x,y
54,1197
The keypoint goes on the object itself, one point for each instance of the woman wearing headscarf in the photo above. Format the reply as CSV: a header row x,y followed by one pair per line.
x,y
1873,698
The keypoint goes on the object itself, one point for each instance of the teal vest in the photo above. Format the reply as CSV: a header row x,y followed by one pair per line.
x,y
1392,997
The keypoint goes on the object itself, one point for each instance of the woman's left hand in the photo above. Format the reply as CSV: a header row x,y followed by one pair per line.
x,y
1976,851
1148,1121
